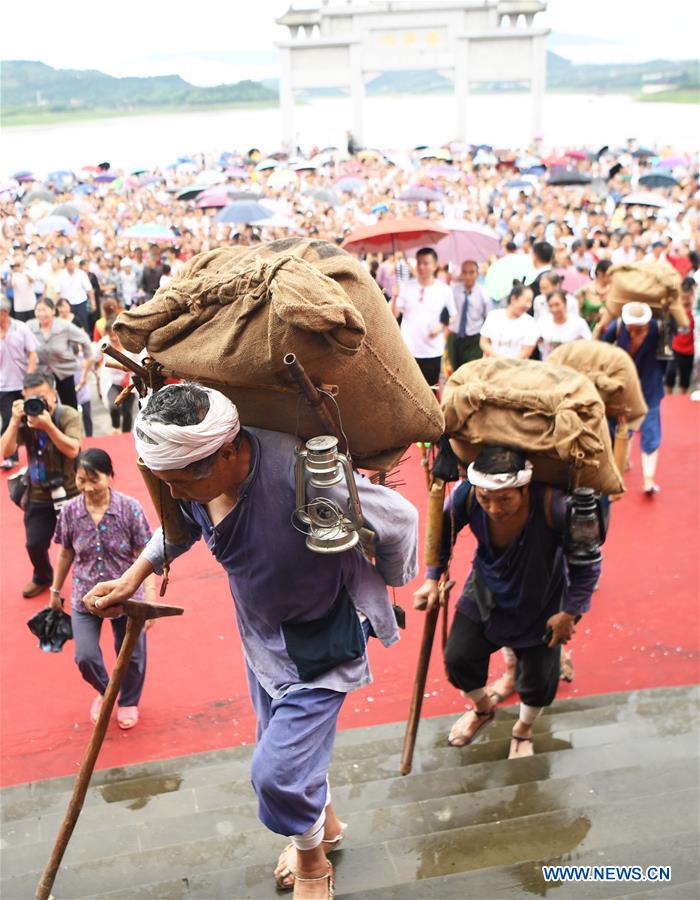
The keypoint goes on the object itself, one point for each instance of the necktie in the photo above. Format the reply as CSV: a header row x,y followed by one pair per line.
x,y
462,329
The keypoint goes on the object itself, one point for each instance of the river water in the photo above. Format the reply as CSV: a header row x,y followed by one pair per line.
x,y
502,120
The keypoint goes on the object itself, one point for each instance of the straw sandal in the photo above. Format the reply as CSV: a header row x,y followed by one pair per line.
x,y
457,738
329,875
284,880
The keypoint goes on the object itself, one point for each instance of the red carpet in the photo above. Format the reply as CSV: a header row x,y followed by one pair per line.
x,y
642,631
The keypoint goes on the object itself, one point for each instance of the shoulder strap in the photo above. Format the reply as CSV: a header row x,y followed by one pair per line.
x,y
471,501
547,505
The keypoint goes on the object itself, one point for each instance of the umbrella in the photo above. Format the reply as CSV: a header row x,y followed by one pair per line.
x,y
537,171
323,196
184,160
442,171
243,195
527,162
501,274
33,196
304,166
483,158
391,235
658,180
9,187
148,231
467,240
236,172
55,223
266,164
72,210
673,162
190,192
24,175
568,177
642,152
281,178
244,211
379,207
91,169
420,195
519,183
210,177
576,154
84,189
105,178
436,153
554,162
572,279
644,198
211,199
60,175
52,627
350,185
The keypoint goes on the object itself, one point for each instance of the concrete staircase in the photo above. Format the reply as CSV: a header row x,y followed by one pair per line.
x,y
614,782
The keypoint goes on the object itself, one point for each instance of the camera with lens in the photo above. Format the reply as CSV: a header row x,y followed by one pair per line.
x,y
35,406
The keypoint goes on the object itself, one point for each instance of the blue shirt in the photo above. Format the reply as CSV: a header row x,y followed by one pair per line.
x,y
524,584
275,579
650,369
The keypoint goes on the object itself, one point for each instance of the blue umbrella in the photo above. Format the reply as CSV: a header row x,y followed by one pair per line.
x,y
658,180
84,188
349,185
61,175
518,183
52,224
184,159
537,170
23,175
244,211
379,207
148,231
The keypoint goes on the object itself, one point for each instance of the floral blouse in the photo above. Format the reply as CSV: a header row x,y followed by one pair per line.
x,y
105,551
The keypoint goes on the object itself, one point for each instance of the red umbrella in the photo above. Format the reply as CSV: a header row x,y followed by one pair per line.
x,y
391,235
554,161
577,154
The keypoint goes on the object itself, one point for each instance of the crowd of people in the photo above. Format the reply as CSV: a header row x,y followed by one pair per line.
x,y
117,238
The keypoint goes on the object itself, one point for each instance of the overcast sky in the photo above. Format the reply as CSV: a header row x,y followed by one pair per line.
x,y
212,41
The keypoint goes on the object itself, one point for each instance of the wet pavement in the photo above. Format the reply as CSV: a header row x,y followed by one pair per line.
x,y
614,782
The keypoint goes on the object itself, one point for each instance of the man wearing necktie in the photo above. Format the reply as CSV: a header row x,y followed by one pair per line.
x,y
472,308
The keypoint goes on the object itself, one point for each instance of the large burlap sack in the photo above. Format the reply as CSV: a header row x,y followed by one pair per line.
x,y
551,413
229,316
657,284
613,373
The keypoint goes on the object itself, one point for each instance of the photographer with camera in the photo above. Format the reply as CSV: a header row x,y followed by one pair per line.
x,y
52,435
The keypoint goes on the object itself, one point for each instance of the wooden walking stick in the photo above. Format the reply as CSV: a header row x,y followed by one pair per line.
x,y
137,613
433,537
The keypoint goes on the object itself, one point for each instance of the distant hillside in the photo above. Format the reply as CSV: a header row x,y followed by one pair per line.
x,y
33,87
33,91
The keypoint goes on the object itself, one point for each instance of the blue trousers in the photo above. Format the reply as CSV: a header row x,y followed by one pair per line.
x,y
88,656
651,430
295,737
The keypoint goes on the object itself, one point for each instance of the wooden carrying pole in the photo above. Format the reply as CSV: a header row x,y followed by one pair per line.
x,y
436,498
137,613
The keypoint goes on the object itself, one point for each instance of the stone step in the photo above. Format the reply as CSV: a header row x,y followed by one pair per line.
x,y
390,855
525,878
212,803
380,759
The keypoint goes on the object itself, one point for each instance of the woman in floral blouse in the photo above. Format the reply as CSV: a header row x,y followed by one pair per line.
x,y
101,532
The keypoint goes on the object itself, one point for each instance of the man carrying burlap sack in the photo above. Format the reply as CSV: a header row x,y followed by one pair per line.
x,y
521,592
304,618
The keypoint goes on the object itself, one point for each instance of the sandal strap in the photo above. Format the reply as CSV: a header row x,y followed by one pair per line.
x,y
480,715
329,874
521,740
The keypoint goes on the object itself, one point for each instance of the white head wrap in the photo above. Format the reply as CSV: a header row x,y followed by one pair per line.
x,y
635,313
176,446
500,481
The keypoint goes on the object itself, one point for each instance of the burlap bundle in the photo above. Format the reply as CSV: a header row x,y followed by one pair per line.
x,y
613,373
657,284
553,414
228,318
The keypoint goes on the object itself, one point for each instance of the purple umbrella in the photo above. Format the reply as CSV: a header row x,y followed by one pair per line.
x,y
466,240
671,162
420,194
105,178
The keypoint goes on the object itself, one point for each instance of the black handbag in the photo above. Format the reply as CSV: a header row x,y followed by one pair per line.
x,y
53,627
18,488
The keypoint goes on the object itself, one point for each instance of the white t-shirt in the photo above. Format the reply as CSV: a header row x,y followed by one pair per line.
x,y
540,307
574,329
421,308
74,288
509,336
25,298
